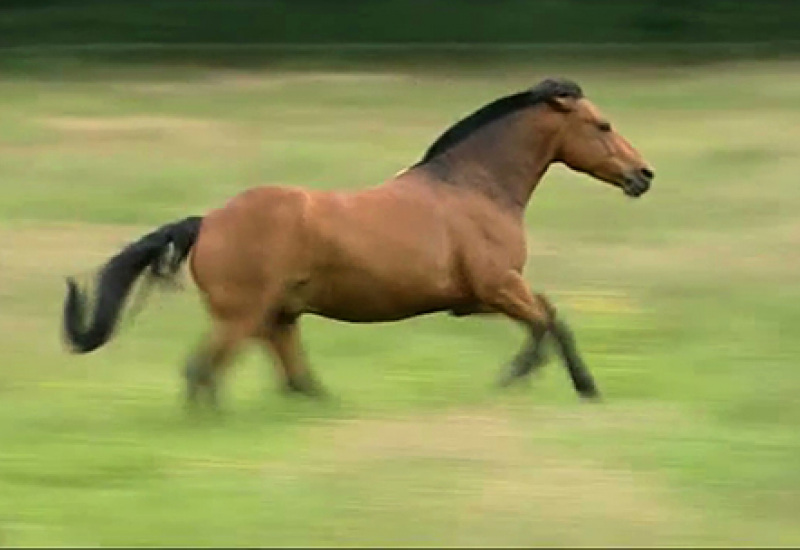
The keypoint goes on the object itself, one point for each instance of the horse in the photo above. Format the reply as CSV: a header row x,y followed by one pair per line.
x,y
446,235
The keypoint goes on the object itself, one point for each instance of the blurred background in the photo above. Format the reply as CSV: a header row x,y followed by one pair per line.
x,y
117,116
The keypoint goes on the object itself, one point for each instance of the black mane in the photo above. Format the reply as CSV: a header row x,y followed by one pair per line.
x,y
549,88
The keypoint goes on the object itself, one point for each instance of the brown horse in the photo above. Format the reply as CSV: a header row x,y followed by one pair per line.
x,y
445,235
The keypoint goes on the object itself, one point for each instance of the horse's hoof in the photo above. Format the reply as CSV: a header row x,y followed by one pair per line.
x,y
317,392
313,390
514,372
190,401
508,378
509,381
592,396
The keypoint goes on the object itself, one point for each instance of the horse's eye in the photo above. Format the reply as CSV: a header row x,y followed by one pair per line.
x,y
604,126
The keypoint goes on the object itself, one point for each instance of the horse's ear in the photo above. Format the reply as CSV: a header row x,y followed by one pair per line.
x,y
563,104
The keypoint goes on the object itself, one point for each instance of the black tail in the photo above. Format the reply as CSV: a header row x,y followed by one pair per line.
x,y
163,251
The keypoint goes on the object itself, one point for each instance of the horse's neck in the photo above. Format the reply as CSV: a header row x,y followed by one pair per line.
x,y
505,161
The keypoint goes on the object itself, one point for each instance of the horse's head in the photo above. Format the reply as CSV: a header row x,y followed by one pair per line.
x,y
587,142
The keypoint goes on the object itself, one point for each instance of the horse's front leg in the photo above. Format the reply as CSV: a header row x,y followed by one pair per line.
x,y
511,296
528,359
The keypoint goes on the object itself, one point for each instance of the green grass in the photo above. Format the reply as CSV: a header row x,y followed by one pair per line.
x,y
684,303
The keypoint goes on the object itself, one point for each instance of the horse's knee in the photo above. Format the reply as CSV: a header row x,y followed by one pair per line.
x,y
547,311
511,295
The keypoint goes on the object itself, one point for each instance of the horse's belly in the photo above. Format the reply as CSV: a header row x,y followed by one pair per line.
x,y
357,295
372,313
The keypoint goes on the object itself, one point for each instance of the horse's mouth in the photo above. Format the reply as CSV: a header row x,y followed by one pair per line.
x,y
635,186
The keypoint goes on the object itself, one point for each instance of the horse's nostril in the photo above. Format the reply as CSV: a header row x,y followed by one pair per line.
x,y
647,173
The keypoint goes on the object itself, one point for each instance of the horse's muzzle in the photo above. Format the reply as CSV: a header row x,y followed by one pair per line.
x,y
638,182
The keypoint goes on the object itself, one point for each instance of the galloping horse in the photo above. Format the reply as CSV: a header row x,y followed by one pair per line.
x,y
445,235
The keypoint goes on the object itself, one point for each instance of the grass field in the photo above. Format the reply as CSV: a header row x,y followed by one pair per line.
x,y
684,302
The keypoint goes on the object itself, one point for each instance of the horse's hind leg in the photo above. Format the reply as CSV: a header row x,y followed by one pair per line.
x,y
282,338
204,368
512,297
